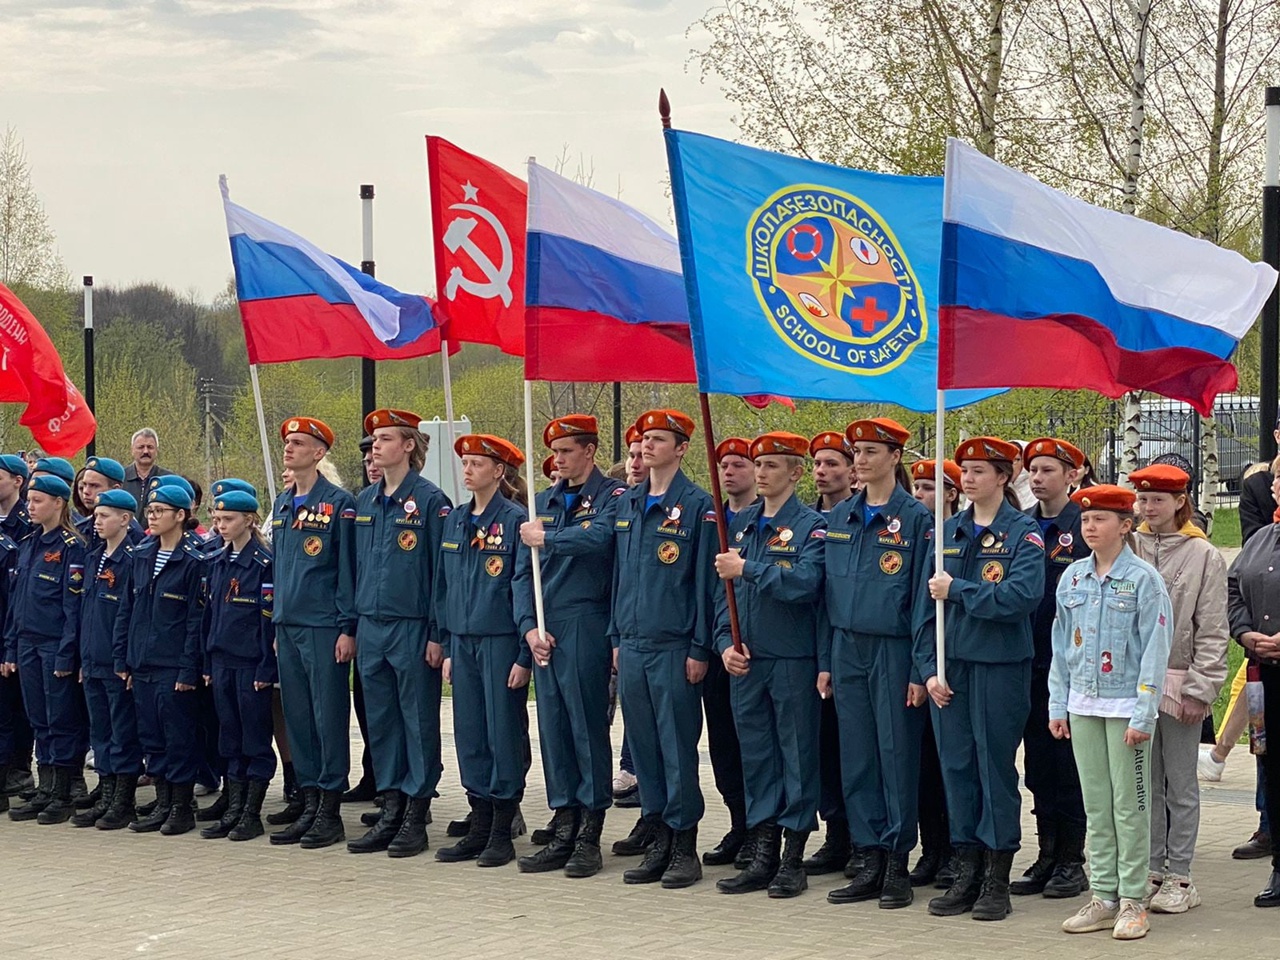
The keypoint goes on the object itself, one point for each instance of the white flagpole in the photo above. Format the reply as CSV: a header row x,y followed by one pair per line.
x,y
939,521
448,415
533,513
262,431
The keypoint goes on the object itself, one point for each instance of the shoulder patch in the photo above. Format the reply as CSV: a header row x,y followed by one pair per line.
x,y
445,511
1036,539
710,515
348,514
618,491
818,534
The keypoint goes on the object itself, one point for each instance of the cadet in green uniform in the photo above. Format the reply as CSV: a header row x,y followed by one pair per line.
x,y
485,658
992,582
574,536
663,606
313,548
877,553
399,523
776,566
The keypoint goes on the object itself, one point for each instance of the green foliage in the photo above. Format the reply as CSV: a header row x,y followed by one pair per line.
x,y
1226,528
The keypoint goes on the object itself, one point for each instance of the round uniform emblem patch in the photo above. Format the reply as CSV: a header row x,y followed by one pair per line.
x,y
993,572
833,281
668,551
407,540
312,545
890,562
1065,540
785,564
493,566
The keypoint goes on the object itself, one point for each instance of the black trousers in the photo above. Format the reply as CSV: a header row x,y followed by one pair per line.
x,y
362,718
722,738
934,831
831,799
1050,773
1271,759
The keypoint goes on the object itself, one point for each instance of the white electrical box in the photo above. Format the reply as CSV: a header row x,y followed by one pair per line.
x,y
443,468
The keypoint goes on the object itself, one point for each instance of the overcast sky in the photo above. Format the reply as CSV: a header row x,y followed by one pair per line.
x,y
131,108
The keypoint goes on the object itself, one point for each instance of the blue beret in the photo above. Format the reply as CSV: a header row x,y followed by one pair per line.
x,y
12,463
53,486
231,483
119,499
56,466
238,501
111,469
170,494
173,480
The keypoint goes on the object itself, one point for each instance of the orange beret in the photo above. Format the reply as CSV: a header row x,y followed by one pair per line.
x,y
988,448
310,426
1105,496
1053,447
485,445
879,430
733,446
1160,478
927,470
787,444
573,425
633,435
672,420
391,418
548,465
830,440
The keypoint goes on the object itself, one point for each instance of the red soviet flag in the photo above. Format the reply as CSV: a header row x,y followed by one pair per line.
x,y
31,373
478,214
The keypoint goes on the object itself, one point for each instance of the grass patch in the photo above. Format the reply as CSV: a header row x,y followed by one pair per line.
x,y
1235,656
1226,528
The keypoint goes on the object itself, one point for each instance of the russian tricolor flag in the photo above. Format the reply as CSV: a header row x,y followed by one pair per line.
x,y
299,303
1039,289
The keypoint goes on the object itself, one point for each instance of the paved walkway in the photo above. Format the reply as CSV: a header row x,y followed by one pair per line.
x,y
85,893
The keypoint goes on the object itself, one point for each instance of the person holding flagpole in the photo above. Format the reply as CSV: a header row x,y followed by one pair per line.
x,y
991,583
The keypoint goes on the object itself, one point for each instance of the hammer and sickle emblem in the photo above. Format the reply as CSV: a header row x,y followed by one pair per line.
x,y
457,236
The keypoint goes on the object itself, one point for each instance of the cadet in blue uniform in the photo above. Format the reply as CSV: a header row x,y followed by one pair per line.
x,y
663,610
833,478
240,661
314,560
113,719
877,553
776,566
485,658
99,475
157,636
992,582
573,533
1053,466
399,526
15,732
42,640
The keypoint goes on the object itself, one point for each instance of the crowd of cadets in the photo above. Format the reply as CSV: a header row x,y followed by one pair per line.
x,y
808,647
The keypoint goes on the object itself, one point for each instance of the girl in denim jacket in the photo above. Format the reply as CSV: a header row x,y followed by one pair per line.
x,y
1111,640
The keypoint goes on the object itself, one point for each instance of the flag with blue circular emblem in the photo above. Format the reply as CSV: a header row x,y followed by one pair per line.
x,y
809,280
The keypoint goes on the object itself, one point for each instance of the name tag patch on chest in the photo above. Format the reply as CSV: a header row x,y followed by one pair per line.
x,y
668,551
451,545
838,536
622,525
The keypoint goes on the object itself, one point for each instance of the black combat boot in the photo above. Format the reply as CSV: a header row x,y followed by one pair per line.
x,y
17,779
791,880
62,806
656,855
154,820
1035,877
40,799
233,791
935,848
295,807
81,797
684,868
832,856
182,813
947,873
500,851
327,828
557,851
867,883
91,816
765,842
638,840
896,891
460,827
1068,878
385,828
544,835
217,811
250,823
480,824
123,808
993,899
586,860
4,796
411,839
726,851
301,823
965,887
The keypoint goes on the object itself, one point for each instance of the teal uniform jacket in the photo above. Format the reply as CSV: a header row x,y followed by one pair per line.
x,y
314,555
398,546
664,578
780,590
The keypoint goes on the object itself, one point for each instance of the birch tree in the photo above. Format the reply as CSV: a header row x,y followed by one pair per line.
x,y
28,251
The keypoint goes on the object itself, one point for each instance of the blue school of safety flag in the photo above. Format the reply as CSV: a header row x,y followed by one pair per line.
x,y
809,280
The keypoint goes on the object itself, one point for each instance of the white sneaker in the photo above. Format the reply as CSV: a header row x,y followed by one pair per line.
x,y
1208,767
1131,924
1154,882
1093,916
88,759
624,783
1177,895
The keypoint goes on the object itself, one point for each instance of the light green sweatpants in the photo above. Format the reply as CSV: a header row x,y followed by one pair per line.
x,y
1113,779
